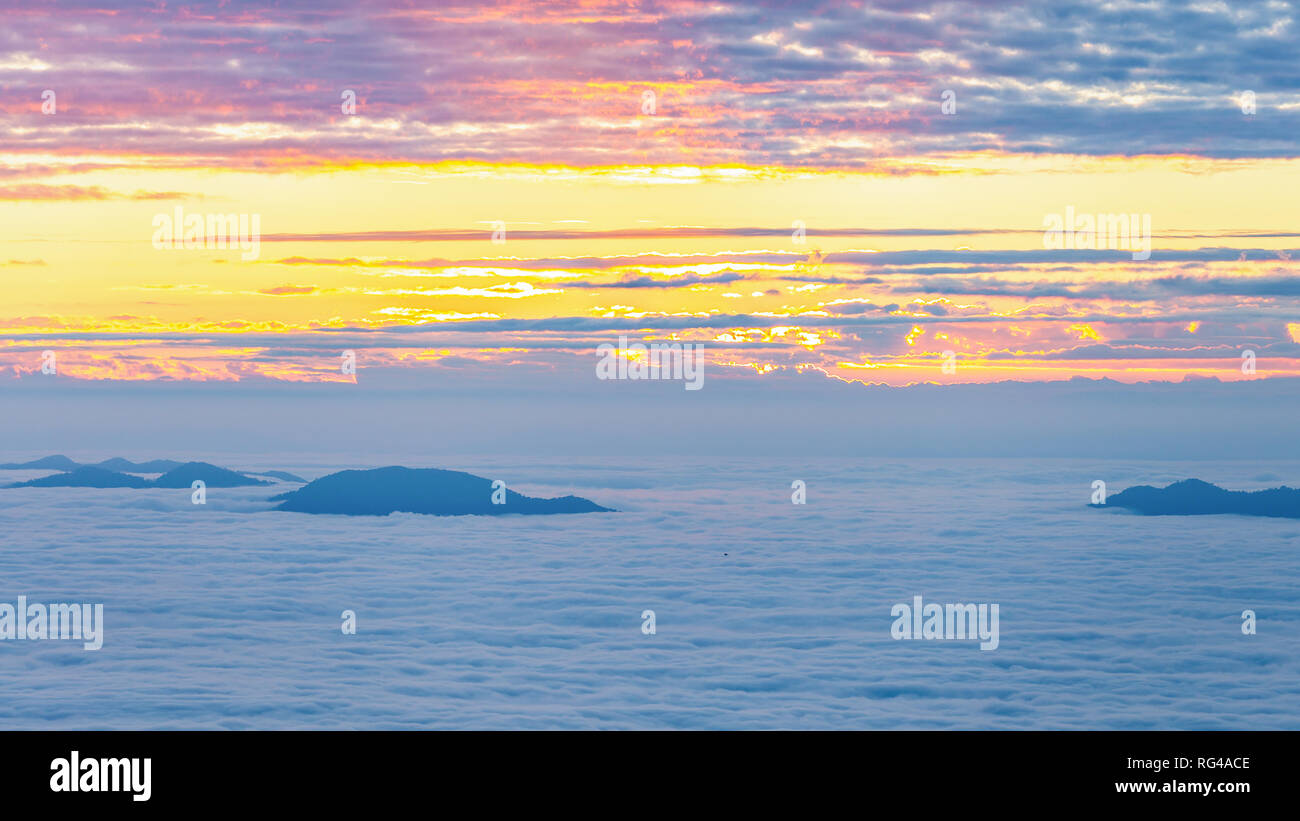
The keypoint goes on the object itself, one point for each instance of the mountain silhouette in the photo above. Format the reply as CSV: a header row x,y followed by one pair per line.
x,y
87,477
282,475
59,462
1193,497
381,491
181,477
127,466
120,465
210,475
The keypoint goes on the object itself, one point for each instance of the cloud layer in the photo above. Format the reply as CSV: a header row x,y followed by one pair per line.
x,y
824,84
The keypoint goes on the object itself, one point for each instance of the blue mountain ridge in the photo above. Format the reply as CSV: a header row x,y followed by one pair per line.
x,y
181,477
1193,497
381,491
119,465
87,477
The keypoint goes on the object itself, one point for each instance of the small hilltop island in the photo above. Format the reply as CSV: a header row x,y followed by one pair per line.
x,y
117,472
375,492
1193,497
182,476
382,491
117,463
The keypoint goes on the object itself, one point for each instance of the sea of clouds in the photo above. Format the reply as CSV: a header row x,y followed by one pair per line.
x,y
769,614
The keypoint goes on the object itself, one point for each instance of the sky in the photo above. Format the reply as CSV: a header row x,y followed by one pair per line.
x,y
820,195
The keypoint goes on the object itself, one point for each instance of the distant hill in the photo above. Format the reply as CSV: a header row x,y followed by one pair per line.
x,y
436,492
47,463
220,476
127,466
181,477
1192,497
283,476
87,477
210,475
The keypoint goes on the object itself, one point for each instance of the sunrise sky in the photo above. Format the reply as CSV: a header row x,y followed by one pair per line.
x,y
652,165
